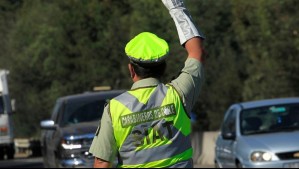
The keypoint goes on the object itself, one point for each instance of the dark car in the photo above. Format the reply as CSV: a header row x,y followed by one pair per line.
x,y
67,136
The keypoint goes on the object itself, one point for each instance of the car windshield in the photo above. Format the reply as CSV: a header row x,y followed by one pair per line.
x,y
84,111
1,106
275,118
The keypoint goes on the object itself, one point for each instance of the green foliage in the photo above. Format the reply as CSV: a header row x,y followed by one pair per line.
x,y
55,48
7,20
266,34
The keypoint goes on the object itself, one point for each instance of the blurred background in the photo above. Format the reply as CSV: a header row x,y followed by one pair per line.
x,y
54,48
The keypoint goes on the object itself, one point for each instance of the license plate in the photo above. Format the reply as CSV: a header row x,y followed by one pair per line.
x,y
291,165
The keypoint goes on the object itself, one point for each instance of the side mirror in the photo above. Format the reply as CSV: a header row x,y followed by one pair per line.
x,y
48,125
229,136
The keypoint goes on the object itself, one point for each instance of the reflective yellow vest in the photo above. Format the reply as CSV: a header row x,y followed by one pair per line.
x,y
151,128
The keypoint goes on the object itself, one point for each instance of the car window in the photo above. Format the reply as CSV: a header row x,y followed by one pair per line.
x,y
59,111
82,112
267,119
55,112
229,124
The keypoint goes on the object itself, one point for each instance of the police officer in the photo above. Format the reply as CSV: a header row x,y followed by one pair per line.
x,y
149,125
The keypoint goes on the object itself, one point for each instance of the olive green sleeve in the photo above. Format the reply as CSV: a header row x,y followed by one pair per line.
x,y
189,82
103,145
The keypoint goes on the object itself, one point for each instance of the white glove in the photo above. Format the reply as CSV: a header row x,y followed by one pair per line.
x,y
183,20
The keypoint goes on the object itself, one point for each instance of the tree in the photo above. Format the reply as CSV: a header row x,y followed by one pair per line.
x,y
57,48
266,36
7,21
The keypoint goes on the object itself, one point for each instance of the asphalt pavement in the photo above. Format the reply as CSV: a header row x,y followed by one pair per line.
x,y
203,166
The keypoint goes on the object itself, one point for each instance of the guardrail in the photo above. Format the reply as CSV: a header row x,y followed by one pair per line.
x,y
203,144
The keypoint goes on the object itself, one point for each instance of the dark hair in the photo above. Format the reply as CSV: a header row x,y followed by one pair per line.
x,y
149,70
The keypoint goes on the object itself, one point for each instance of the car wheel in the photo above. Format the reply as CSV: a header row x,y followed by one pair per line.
x,y
10,155
10,152
1,155
57,163
239,165
45,162
216,165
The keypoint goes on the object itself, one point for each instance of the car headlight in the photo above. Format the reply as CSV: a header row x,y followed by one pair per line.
x,y
70,144
259,156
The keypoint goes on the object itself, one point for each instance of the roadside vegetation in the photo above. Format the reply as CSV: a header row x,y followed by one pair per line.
x,y
54,48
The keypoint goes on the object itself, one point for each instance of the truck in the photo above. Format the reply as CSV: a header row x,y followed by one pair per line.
x,y
6,127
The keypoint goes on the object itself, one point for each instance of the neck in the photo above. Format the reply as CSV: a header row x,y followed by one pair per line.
x,y
136,78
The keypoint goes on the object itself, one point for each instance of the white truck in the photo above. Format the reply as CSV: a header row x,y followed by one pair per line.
x,y
6,129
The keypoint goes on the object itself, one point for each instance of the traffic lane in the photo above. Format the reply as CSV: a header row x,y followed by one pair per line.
x,y
34,162
37,162
203,166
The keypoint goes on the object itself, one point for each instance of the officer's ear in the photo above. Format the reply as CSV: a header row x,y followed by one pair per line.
x,y
132,71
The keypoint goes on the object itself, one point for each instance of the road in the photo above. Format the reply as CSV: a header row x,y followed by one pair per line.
x,y
20,162
36,162
203,166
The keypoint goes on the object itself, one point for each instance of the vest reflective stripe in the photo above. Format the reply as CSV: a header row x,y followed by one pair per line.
x,y
134,105
179,145
181,159
183,164
153,123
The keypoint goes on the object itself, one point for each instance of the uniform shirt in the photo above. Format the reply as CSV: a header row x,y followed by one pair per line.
x,y
188,85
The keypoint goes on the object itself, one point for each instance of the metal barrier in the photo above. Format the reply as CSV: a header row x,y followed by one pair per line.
x,y
203,144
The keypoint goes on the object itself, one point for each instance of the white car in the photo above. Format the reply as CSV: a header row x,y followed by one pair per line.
x,y
260,134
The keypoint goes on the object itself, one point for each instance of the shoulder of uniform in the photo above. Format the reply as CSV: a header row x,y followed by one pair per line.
x,y
169,85
108,110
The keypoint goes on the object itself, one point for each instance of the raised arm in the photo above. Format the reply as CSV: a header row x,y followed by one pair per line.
x,y
195,49
190,36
